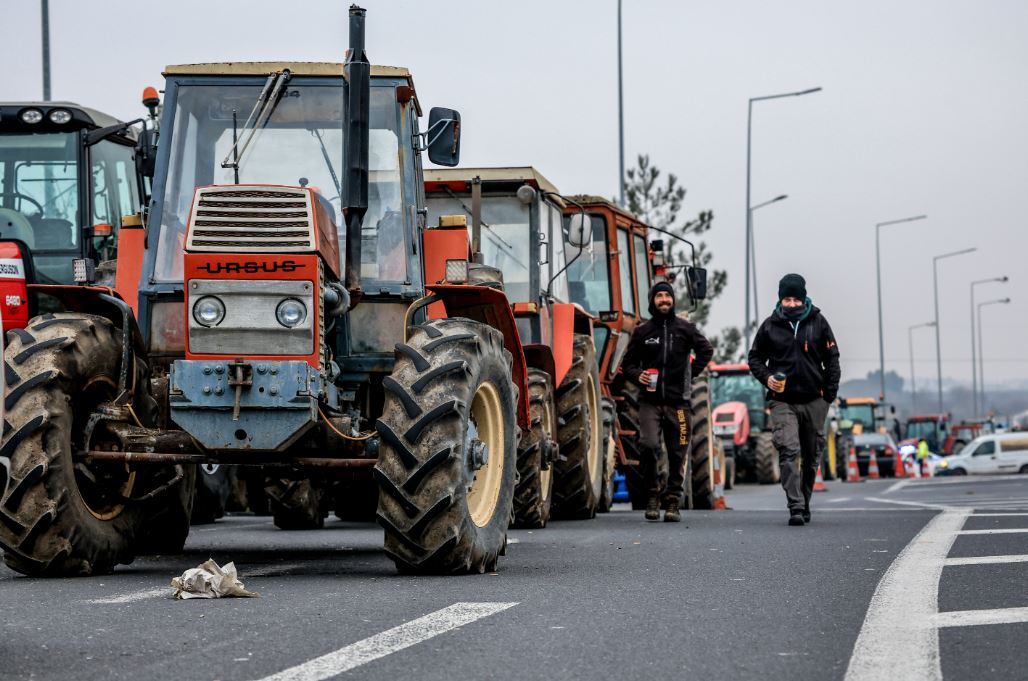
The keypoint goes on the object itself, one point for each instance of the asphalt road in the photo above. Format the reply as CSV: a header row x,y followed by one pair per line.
x,y
887,582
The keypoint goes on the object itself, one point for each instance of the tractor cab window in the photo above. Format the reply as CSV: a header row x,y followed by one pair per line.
x,y
642,273
627,303
115,192
555,237
588,273
39,198
301,144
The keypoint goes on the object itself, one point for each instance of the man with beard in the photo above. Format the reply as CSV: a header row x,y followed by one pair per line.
x,y
795,355
658,358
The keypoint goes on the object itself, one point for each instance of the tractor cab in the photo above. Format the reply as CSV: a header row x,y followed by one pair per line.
x,y
67,176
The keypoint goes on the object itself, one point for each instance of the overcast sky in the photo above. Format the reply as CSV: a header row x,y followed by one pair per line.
x,y
924,110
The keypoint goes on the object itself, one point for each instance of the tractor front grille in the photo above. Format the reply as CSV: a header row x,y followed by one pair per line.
x,y
258,220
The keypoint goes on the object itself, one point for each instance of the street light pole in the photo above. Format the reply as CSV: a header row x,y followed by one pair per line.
x,y
974,363
749,156
621,119
913,380
938,338
981,350
753,253
878,268
45,10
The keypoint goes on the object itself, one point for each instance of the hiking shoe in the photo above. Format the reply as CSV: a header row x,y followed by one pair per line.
x,y
806,514
653,509
796,519
672,514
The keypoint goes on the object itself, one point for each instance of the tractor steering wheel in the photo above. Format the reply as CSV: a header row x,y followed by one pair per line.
x,y
25,197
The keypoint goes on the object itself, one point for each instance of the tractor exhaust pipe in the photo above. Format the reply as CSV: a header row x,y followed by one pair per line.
x,y
357,71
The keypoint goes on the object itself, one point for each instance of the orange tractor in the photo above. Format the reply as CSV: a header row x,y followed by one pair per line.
x,y
516,221
611,280
284,304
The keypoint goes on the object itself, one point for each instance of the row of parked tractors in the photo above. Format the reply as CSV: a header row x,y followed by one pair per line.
x,y
272,304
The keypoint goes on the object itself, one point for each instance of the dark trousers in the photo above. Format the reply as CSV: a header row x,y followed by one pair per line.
x,y
670,423
799,435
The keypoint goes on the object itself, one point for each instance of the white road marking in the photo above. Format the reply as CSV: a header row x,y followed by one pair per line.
x,y
837,500
908,592
389,641
988,560
166,591
1005,530
997,515
897,486
918,504
231,526
968,618
962,480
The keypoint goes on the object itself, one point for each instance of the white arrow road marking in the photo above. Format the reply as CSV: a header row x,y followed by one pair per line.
x,y
908,593
988,560
965,618
389,641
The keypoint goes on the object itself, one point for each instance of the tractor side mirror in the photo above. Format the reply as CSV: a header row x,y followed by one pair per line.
x,y
146,153
578,230
444,136
697,282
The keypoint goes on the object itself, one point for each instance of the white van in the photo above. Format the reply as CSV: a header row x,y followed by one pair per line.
x,y
1000,453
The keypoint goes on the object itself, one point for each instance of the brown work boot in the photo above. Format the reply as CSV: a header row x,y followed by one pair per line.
x,y
673,514
653,508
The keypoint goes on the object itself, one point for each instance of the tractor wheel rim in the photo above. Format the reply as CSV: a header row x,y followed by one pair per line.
x,y
487,482
99,505
596,450
546,475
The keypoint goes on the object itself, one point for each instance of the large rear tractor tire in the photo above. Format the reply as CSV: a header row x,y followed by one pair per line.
x,y
296,504
58,515
447,462
701,446
578,480
214,485
766,462
533,495
609,409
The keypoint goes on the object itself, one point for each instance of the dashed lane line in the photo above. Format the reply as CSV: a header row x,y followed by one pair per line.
x,y
998,515
1005,530
967,618
988,560
918,504
908,592
389,641
165,591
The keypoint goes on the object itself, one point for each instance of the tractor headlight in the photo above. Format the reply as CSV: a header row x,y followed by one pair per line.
x,y
59,116
290,312
31,116
208,311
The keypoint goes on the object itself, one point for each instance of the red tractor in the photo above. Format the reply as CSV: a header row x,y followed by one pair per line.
x,y
741,424
281,305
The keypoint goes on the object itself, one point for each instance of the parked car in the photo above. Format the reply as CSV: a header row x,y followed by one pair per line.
x,y
884,448
989,454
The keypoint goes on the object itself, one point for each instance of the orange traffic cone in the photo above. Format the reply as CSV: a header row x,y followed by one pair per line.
x,y
719,488
872,467
912,468
926,470
897,466
819,481
852,469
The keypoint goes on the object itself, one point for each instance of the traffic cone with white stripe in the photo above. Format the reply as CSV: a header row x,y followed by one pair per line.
x,y
897,466
926,470
719,486
819,481
912,468
872,467
852,469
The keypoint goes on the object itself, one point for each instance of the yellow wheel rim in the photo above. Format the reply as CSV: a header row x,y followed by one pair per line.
x,y
594,456
487,419
545,476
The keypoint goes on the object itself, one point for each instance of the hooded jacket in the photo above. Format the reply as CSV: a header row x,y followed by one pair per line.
x,y
804,350
665,343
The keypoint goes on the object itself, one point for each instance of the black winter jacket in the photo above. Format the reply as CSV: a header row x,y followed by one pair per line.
x,y
807,355
665,343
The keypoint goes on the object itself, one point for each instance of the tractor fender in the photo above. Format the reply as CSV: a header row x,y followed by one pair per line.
x,y
583,320
491,307
539,356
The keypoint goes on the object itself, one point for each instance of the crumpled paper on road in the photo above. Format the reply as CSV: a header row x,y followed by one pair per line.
x,y
210,580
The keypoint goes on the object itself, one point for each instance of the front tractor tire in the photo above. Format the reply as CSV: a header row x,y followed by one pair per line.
x,y
448,454
701,446
578,482
533,495
766,459
59,516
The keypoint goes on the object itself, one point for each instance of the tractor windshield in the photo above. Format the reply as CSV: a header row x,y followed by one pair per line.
x,y
853,414
737,387
588,276
928,430
301,144
39,198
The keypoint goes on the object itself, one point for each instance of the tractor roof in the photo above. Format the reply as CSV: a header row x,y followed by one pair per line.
x,y
593,200
861,400
98,118
297,68
511,175
731,368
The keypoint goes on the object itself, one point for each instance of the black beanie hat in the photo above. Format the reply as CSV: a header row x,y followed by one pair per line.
x,y
792,286
659,286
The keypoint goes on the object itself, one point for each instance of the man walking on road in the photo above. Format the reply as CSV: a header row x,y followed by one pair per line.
x,y
795,355
658,358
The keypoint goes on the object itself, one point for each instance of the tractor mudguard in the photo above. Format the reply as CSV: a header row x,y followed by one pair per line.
x,y
539,356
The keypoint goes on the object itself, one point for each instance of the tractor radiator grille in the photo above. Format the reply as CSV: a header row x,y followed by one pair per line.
x,y
264,220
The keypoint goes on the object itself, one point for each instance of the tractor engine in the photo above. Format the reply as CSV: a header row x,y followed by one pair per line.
x,y
732,425
261,276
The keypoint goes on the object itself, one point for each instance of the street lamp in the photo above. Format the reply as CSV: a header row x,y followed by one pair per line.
x,y
621,119
981,350
974,363
878,266
749,234
913,381
753,252
938,339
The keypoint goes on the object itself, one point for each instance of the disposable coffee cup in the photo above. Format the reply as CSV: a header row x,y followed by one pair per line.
x,y
652,385
779,376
